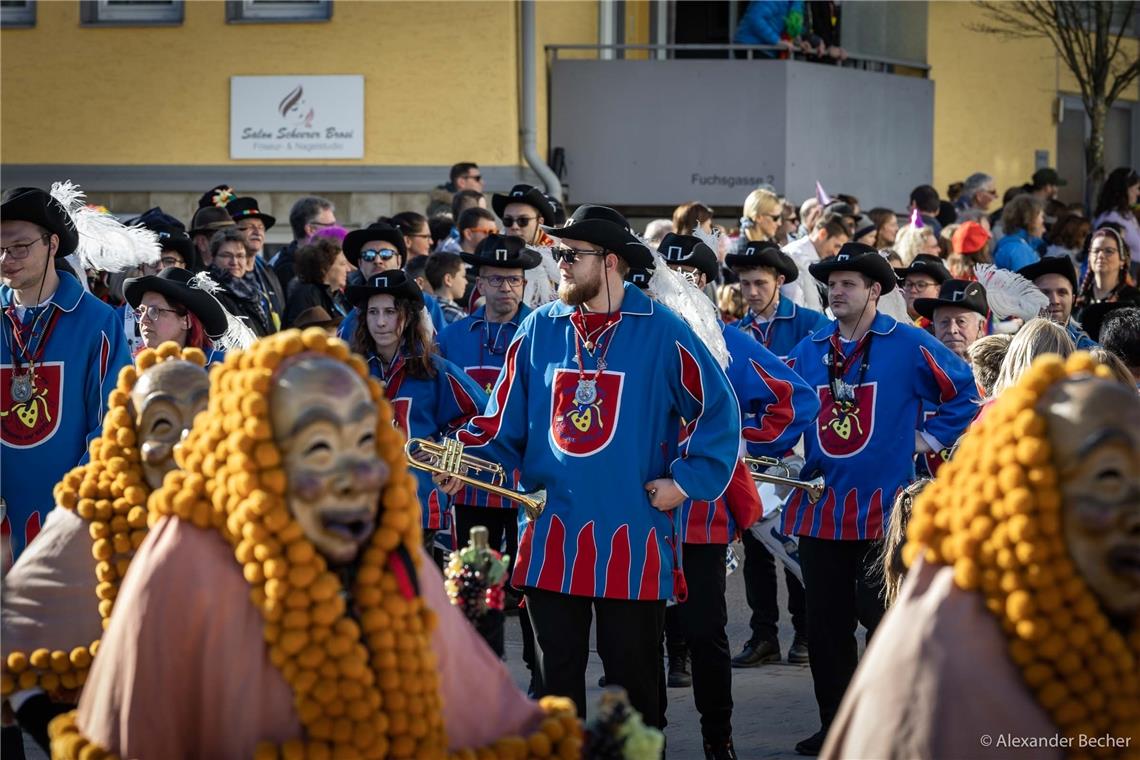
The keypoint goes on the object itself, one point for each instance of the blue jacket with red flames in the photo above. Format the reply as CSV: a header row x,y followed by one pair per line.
x,y
46,435
788,326
429,408
599,535
865,448
776,407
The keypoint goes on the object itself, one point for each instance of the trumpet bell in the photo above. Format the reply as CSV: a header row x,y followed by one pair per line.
x,y
447,459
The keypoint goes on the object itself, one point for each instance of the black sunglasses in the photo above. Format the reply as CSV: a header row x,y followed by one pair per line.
x,y
372,254
570,255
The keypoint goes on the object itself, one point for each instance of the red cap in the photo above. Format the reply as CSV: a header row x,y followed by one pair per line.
x,y
970,237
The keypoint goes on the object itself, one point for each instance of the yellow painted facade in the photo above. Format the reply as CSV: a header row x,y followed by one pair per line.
x,y
441,83
994,99
441,80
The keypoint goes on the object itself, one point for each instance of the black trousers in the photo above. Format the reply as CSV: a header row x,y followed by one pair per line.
x,y
844,588
760,592
701,620
629,639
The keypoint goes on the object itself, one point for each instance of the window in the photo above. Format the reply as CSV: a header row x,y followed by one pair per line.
x,y
130,12
17,13
274,11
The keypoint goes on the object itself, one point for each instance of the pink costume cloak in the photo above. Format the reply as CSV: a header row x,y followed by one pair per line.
x,y
183,670
936,682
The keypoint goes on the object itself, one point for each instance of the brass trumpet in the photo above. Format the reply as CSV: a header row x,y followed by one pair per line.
x,y
447,458
813,488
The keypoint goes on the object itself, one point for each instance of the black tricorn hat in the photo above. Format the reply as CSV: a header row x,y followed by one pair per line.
x,y
1061,265
963,294
31,204
603,226
856,257
356,239
174,284
528,194
506,251
247,208
689,250
558,209
640,276
394,282
764,253
925,263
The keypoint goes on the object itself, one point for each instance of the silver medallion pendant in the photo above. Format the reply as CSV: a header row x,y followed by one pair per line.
x,y
846,391
586,393
21,387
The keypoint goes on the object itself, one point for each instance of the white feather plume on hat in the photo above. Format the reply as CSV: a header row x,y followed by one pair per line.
x,y
1009,294
690,304
105,243
541,281
237,335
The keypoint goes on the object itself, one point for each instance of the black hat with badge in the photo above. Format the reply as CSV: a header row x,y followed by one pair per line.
x,y
1061,265
689,250
1095,315
764,253
640,276
856,257
394,282
31,204
528,194
356,239
174,284
963,294
247,208
603,226
506,251
925,263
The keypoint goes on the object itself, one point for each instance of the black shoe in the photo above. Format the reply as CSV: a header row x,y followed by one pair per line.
x,y
798,654
511,601
720,750
679,674
755,654
811,745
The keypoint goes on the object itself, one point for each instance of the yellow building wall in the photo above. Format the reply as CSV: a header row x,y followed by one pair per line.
x,y
441,80
994,99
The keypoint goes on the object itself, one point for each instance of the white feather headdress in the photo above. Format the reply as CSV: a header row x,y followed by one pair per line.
x,y
1009,294
689,303
237,335
541,281
105,243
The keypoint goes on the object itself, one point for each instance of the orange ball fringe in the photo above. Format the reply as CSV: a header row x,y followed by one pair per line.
x,y
365,689
110,493
994,515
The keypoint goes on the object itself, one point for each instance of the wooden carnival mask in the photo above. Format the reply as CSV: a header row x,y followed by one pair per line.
x,y
164,402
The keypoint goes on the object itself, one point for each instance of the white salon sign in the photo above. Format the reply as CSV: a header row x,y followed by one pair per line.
x,y
297,117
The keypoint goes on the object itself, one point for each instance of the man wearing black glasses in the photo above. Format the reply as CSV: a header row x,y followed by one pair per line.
x,y
61,350
588,405
524,210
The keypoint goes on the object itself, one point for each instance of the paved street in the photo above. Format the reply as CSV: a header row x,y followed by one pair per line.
x,y
774,704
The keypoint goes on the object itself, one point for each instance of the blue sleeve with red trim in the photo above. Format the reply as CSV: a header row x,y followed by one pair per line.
x,y
111,355
776,404
500,433
947,382
705,400
459,399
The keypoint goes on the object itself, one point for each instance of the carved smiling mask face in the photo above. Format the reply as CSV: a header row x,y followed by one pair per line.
x,y
324,423
164,402
1094,429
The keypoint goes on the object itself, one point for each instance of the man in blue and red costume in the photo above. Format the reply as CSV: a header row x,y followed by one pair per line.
x,y
779,325
776,407
872,376
60,356
589,404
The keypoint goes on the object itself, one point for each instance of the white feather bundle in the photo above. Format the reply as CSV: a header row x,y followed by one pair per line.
x,y
542,281
238,335
894,306
1009,294
105,243
690,304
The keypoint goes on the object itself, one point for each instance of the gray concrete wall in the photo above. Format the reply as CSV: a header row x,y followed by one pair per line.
x,y
665,132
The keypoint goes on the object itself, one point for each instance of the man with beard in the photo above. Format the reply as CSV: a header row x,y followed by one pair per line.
x,y
872,376
589,403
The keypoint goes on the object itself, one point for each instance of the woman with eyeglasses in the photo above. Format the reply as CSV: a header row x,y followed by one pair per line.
x,y
174,305
430,396
1108,279
417,233
232,270
1117,203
